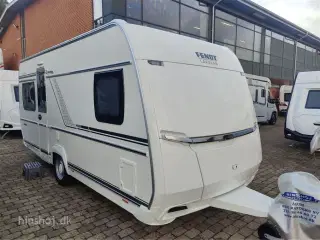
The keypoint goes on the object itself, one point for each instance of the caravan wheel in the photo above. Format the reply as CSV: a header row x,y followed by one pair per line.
x,y
60,172
273,119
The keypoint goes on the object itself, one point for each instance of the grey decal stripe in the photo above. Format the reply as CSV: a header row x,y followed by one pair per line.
x,y
100,141
108,185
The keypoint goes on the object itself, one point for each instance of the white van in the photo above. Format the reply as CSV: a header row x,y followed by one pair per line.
x,y
266,110
145,118
304,108
284,97
9,100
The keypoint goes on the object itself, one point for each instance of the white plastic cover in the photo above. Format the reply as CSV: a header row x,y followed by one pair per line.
x,y
315,142
296,209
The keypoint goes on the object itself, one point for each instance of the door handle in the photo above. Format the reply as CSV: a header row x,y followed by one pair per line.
x,y
39,117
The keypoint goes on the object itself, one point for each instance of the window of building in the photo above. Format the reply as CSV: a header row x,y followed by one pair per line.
x,y
300,54
245,38
313,99
245,24
42,99
194,22
275,72
257,42
267,45
258,29
267,59
16,93
287,63
256,57
276,47
109,97
28,96
266,70
226,16
197,5
134,9
244,54
256,69
232,48
276,61
247,66
225,32
164,13
287,73
288,51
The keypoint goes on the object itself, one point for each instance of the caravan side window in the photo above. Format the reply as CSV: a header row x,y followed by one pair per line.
x,y
109,97
42,99
28,96
313,99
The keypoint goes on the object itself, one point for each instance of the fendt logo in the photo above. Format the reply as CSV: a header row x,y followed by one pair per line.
x,y
207,58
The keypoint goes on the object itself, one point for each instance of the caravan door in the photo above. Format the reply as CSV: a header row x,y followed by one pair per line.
x,y
42,112
28,112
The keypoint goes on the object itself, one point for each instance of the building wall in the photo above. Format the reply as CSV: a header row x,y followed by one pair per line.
x,y
50,22
11,46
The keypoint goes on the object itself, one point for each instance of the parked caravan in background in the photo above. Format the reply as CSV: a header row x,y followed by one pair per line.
x,y
9,101
284,97
265,108
304,108
146,121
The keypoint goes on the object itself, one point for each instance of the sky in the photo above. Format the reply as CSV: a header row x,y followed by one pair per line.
x,y
304,13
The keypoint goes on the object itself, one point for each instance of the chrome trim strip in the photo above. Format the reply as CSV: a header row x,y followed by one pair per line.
x,y
91,69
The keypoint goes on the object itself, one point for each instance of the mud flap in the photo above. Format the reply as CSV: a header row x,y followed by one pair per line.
x,y
244,200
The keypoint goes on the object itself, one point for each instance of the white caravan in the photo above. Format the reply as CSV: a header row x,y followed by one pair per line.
x,y
146,120
284,97
266,110
303,114
9,100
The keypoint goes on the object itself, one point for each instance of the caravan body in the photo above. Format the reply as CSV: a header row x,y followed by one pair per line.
x,y
146,120
304,109
284,97
265,109
9,101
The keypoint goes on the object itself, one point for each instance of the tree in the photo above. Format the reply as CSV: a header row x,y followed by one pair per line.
x,y
3,4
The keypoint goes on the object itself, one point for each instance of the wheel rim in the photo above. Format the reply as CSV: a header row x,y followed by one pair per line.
x,y
273,118
60,169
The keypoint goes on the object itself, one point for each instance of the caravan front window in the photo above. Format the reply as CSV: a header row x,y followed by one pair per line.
x,y
28,96
16,93
109,97
313,99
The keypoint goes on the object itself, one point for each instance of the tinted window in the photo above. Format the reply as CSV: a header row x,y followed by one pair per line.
x,y
313,100
244,54
196,4
287,97
257,42
245,38
164,13
109,97
134,9
245,24
226,16
42,98
16,93
225,32
28,96
194,22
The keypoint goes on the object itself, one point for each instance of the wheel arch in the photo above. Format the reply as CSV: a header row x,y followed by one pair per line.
x,y
58,150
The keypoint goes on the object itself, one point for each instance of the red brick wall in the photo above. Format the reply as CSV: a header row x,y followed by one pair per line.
x,y
11,45
49,22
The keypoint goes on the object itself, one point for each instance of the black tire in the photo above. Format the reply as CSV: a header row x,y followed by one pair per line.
x,y
268,229
273,119
60,172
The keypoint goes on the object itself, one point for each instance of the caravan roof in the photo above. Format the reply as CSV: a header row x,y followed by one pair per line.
x,y
148,43
308,77
6,75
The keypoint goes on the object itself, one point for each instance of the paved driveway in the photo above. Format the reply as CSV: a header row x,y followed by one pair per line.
x,y
42,209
